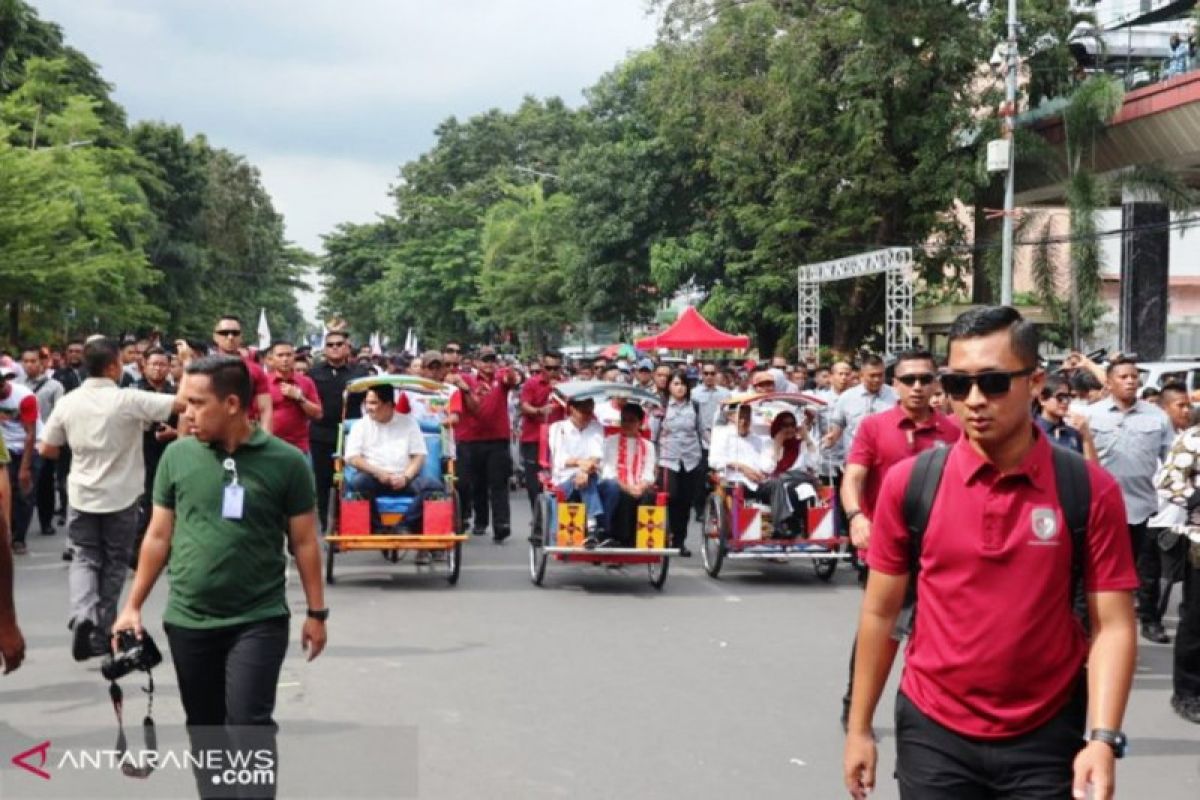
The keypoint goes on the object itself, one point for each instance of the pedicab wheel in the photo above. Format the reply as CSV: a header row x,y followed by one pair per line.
x,y
658,572
454,563
714,536
824,568
537,539
331,527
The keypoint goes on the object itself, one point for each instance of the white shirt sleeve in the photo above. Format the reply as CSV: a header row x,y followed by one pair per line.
x,y
416,440
147,406
608,465
651,464
354,440
54,433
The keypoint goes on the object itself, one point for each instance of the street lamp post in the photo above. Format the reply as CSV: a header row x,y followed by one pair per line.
x,y
1010,111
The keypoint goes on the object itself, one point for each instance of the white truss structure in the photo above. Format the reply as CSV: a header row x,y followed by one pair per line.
x,y
896,262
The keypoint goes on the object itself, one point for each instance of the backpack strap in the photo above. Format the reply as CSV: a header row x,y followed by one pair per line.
x,y
1075,498
918,504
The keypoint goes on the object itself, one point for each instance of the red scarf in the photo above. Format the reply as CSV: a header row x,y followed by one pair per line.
x,y
791,451
625,472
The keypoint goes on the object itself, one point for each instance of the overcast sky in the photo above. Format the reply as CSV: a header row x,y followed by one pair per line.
x,y
329,97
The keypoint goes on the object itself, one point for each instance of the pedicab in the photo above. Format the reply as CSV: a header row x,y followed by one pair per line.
x,y
559,532
351,527
738,526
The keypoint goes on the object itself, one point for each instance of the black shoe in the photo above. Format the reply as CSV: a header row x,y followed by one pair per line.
x,y
68,555
479,531
500,536
1187,707
684,552
49,530
1154,632
81,640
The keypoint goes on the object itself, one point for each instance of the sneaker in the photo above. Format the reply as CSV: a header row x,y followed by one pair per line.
x,y
1187,707
81,639
19,548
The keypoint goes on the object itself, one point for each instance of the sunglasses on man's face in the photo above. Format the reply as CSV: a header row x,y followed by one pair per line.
x,y
1062,398
912,379
488,359
453,350
708,372
229,332
993,383
338,343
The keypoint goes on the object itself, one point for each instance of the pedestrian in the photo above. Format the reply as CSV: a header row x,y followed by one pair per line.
x,y
229,489
156,368
483,437
1177,482
994,698
48,392
709,394
1053,412
21,425
131,362
227,336
884,440
1132,436
680,443
12,644
537,412
295,402
856,403
103,426
330,376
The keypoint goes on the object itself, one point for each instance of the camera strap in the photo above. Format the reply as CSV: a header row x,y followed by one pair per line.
x,y
149,736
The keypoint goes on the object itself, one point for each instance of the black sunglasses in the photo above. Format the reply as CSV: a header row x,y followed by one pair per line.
x,y
710,372
489,357
336,343
923,378
453,350
993,383
1062,397
229,332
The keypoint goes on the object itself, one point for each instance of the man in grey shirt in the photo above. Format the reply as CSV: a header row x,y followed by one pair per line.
x,y
48,392
1131,437
708,396
855,404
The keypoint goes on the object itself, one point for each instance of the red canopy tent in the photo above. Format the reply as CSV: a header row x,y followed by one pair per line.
x,y
693,332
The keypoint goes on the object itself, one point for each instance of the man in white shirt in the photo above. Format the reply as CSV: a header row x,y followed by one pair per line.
x,y
629,462
742,456
388,451
576,454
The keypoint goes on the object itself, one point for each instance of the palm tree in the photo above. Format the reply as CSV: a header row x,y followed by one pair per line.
x,y
1088,112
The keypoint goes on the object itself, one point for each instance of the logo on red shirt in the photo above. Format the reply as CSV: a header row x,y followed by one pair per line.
x,y
1045,524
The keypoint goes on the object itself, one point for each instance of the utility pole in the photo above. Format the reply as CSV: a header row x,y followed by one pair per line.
x,y
1010,118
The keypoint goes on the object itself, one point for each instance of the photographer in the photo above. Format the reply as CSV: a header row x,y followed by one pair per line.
x,y
221,502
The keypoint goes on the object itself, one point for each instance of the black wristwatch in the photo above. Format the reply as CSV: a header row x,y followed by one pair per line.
x,y
1114,739
850,515
319,614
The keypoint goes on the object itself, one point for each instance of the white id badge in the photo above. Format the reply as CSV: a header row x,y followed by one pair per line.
x,y
231,505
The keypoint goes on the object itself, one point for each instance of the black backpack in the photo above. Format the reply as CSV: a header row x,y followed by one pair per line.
x,y
1074,496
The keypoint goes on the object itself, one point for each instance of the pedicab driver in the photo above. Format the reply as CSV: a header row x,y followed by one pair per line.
x,y
388,450
994,700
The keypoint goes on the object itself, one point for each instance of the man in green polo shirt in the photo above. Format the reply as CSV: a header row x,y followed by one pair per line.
x,y
223,502
12,645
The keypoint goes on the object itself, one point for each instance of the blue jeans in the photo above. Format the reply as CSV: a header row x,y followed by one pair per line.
x,y
598,497
23,505
420,488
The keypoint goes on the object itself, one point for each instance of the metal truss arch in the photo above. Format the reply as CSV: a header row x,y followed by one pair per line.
x,y
895,262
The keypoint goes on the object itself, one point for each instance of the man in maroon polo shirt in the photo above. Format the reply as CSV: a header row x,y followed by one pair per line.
x,y
294,398
482,434
884,440
227,336
993,700
537,411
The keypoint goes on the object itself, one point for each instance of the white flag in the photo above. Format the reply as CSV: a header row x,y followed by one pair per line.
x,y
376,348
264,332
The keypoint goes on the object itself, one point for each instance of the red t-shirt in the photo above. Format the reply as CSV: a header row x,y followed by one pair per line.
x,y
887,438
288,420
258,377
490,421
996,649
536,392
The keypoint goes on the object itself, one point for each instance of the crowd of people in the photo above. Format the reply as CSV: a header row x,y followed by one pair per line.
x,y
155,453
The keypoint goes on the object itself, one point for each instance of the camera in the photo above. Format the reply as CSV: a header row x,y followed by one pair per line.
x,y
132,654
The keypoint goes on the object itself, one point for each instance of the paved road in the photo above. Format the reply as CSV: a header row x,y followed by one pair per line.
x,y
596,686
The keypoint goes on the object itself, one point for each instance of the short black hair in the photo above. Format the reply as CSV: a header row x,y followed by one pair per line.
x,y
1172,386
31,348
633,409
1083,381
154,351
1054,384
99,354
870,360
228,375
231,318
280,343
916,354
1119,361
384,393
986,320
553,354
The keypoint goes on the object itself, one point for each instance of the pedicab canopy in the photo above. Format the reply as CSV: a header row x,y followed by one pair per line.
x,y
693,332
604,390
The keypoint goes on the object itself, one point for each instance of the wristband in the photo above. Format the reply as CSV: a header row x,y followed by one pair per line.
x,y
850,515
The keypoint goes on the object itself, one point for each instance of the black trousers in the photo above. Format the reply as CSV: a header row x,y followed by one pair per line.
x,y
704,486
1186,674
487,466
1148,558
935,763
682,486
227,679
322,461
531,468
45,494
62,467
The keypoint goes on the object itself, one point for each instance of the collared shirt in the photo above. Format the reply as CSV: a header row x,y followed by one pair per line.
x,y
753,450
489,422
677,436
17,410
536,392
996,649
887,438
637,465
710,407
47,390
1130,445
1060,433
288,420
103,426
568,442
856,404
388,445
